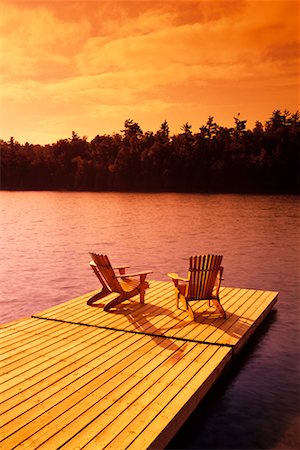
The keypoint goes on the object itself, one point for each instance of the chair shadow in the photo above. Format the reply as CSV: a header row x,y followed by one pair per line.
x,y
141,320
212,318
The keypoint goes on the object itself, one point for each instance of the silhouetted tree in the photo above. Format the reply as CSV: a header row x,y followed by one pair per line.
x,y
215,159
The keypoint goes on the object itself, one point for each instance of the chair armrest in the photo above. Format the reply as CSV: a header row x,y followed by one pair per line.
x,y
175,276
136,274
120,267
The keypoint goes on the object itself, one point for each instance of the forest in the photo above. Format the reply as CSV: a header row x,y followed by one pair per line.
x,y
213,159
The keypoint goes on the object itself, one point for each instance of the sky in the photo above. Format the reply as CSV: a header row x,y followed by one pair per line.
x,y
87,66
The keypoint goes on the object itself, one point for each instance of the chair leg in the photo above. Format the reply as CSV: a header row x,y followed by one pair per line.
x,y
115,302
177,295
142,295
187,307
103,293
143,286
219,307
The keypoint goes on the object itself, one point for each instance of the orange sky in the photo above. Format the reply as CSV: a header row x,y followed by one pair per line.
x,y
88,66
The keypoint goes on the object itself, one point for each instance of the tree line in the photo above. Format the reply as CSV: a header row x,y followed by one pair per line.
x,y
213,159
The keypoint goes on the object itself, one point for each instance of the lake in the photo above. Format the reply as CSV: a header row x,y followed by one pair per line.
x,y
45,240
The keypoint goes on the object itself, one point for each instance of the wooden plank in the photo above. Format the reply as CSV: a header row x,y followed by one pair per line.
x,y
241,321
73,386
57,388
31,355
257,313
82,397
26,385
160,317
130,377
152,411
30,340
126,401
176,412
131,315
13,327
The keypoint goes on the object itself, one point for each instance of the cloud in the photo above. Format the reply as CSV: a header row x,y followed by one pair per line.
x,y
37,45
69,62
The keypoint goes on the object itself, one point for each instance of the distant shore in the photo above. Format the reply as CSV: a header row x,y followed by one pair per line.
x,y
214,160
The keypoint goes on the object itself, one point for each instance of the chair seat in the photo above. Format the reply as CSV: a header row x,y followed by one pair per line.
x,y
128,284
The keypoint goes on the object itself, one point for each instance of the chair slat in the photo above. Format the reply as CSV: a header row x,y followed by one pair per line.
x,y
204,279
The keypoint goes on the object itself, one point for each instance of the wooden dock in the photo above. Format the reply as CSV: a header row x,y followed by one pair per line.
x,y
75,376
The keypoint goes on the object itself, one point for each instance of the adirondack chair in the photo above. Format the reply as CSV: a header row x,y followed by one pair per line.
x,y
202,283
126,285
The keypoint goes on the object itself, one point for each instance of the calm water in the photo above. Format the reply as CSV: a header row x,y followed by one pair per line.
x,y
45,240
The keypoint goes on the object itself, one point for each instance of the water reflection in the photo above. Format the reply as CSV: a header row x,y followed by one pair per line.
x,y
249,407
45,240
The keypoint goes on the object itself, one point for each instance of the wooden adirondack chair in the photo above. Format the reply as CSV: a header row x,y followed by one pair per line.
x,y
202,283
126,285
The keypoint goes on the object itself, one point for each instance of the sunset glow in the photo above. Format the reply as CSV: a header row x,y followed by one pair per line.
x,y
90,65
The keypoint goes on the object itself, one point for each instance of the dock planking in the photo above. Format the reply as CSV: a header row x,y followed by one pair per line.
x,y
75,376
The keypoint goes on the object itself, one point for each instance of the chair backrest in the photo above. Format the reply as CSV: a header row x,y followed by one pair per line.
x,y
202,275
107,272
